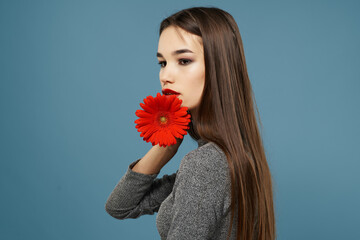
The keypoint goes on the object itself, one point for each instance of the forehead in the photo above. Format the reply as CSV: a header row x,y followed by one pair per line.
x,y
173,38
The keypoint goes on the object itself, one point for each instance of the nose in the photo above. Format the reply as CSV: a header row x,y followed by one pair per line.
x,y
166,76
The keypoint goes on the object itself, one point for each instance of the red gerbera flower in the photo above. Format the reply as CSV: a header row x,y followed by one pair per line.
x,y
162,120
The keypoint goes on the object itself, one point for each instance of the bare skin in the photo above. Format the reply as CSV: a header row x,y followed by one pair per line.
x,y
156,158
183,72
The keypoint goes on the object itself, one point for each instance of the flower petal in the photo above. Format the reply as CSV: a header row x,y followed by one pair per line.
x,y
162,132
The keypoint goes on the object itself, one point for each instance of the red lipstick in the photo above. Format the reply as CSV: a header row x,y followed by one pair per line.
x,y
167,91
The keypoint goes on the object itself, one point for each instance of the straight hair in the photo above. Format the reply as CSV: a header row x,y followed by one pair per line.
x,y
226,116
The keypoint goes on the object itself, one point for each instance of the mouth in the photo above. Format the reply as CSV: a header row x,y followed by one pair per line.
x,y
169,92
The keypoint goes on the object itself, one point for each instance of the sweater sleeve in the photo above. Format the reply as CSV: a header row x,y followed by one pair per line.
x,y
198,196
137,194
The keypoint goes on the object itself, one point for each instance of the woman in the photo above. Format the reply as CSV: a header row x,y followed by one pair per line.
x,y
223,189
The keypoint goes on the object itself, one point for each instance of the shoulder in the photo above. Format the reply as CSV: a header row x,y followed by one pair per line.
x,y
207,162
203,178
208,155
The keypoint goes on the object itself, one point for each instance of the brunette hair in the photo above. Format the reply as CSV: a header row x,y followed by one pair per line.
x,y
226,116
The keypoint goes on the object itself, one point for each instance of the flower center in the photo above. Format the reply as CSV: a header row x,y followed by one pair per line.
x,y
163,120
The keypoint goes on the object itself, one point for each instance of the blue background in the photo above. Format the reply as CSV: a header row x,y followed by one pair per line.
x,y
74,72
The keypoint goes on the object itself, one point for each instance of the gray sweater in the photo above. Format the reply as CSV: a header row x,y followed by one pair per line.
x,y
193,203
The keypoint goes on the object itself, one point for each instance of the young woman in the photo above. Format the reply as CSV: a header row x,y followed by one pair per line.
x,y
222,189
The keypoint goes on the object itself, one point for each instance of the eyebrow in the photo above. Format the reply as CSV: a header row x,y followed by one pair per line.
x,y
177,52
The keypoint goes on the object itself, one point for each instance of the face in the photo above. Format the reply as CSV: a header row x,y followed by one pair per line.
x,y
182,68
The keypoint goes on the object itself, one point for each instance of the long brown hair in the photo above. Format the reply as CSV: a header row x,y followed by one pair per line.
x,y
226,116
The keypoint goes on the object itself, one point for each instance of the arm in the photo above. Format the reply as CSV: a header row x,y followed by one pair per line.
x,y
137,194
156,158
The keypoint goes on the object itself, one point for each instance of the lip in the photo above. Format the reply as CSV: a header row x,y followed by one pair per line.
x,y
167,91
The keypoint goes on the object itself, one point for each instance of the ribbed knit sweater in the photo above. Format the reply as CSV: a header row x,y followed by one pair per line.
x,y
192,203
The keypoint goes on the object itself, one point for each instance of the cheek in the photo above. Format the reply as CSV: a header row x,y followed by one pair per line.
x,y
193,80
196,75
194,90
198,83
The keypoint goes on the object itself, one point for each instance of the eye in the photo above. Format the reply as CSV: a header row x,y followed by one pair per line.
x,y
184,61
162,63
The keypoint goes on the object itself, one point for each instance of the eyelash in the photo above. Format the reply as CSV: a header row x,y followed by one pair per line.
x,y
187,61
